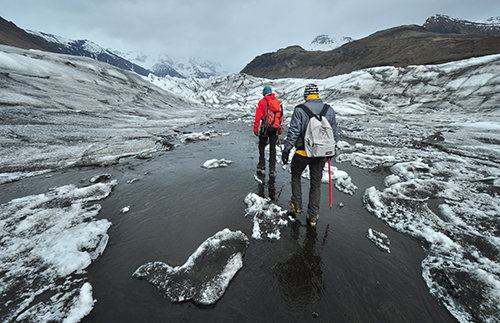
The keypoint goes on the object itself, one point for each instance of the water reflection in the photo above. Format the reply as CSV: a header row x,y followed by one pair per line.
x,y
301,275
270,185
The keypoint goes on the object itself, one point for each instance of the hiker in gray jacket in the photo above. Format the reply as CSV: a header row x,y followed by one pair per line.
x,y
295,138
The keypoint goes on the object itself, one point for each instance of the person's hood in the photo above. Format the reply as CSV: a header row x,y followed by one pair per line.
x,y
270,96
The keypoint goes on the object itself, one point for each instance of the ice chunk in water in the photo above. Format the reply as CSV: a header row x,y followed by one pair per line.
x,y
216,163
380,240
205,275
267,217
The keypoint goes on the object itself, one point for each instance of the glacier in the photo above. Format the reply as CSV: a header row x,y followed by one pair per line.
x,y
436,127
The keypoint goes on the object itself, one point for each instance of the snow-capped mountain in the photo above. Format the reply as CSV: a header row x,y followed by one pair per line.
x,y
164,65
447,24
198,68
137,57
184,68
136,61
325,42
87,48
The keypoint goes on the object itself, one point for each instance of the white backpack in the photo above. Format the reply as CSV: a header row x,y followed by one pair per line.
x,y
319,140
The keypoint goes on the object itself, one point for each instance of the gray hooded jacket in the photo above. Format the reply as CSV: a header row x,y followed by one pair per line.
x,y
300,119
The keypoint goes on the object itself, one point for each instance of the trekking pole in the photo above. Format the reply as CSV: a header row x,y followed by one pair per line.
x,y
279,140
330,179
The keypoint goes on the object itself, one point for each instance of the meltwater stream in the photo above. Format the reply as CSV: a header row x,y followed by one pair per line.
x,y
164,208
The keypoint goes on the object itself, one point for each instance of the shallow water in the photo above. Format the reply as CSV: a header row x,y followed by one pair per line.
x,y
332,273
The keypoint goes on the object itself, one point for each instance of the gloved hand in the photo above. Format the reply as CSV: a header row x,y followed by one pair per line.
x,y
256,133
284,156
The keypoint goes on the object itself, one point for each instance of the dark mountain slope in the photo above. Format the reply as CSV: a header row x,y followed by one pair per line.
x,y
12,35
399,46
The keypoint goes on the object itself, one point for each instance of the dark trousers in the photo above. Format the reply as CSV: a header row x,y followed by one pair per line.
x,y
273,138
316,165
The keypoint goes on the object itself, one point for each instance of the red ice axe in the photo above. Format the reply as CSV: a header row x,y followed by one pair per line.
x,y
330,180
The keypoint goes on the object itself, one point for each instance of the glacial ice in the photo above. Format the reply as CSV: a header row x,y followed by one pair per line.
x,y
205,275
267,217
380,240
437,126
216,163
47,238
461,236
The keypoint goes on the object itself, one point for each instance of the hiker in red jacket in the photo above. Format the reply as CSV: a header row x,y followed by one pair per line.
x,y
263,131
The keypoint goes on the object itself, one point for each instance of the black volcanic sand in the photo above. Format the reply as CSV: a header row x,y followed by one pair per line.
x,y
332,273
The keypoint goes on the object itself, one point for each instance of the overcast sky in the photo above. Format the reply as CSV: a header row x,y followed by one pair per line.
x,y
231,32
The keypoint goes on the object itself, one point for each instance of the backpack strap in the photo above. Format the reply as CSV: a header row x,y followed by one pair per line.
x,y
267,107
324,110
307,110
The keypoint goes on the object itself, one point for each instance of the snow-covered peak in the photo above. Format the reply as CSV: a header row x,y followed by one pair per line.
x,y
445,17
137,57
492,21
165,59
199,68
164,65
325,42
50,37
187,67
67,43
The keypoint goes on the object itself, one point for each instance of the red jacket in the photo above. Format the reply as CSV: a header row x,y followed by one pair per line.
x,y
260,114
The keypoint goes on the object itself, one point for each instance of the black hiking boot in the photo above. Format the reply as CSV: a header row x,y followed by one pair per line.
x,y
311,220
296,208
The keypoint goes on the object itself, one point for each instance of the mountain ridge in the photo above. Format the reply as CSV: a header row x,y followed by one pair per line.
x,y
12,35
87,48
398,46
449,25
440,39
